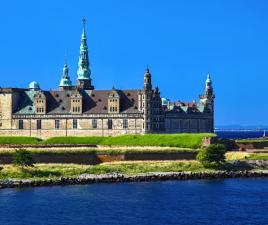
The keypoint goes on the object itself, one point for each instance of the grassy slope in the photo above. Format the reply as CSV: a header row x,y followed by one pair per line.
x,y
252,141
19,140
172,140
41,171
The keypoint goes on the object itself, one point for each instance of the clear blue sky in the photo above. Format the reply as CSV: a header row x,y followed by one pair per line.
x,y
180,40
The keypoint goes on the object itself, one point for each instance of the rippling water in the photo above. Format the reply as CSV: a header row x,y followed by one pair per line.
x,y
240,134
229,201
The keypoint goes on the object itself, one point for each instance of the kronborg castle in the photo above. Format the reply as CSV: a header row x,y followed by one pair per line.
x,y
82,110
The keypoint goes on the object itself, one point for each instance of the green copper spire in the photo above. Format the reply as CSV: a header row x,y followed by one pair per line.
x,y
83,71
65,79
208,79
209,88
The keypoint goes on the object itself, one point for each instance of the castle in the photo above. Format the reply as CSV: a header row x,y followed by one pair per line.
x,y
80,110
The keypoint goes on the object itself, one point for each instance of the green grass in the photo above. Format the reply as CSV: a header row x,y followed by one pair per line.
x,y
246,155
258,156
19,140
171,140
41,171
252,141
237,155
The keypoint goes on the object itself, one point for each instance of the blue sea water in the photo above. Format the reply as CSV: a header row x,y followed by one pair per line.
x,y
240,134
223,201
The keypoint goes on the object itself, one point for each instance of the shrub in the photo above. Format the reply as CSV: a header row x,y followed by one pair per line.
x,y
22,158
213,155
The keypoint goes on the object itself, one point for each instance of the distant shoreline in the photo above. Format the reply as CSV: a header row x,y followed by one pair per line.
x,y
119,178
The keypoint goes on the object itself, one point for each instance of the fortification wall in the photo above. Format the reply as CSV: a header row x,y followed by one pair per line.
x,y
92,158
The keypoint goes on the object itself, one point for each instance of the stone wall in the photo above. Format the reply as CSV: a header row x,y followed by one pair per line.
x,y
84,127
92,158
176,123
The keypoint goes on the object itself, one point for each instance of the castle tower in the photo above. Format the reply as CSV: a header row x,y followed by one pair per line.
x,y
209,88
147,84
208,100
147,99
65,82
83,72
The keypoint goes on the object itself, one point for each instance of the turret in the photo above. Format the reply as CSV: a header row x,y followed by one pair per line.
x,y
65,82
147,84
209,88
34,86
208,97
83,72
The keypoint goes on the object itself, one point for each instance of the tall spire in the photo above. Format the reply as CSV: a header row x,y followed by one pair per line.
x,y
83,72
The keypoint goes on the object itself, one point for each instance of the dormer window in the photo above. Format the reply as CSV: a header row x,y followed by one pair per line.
x,y
114,101
76,103
40,103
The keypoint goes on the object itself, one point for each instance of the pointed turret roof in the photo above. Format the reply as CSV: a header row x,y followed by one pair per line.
x,y
65,79
208,78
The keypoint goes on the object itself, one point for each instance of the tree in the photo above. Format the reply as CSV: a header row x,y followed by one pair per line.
x,y
213,155
22,158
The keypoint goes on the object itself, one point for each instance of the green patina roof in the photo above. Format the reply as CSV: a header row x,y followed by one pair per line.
x,y
34,85
27,104
164,101
65,80
184,108
208,79
200,107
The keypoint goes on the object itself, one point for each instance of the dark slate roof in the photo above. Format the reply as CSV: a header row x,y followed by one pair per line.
x,y
94,101
185,107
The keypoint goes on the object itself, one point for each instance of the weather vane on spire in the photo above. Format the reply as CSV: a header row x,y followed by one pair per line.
x,y
65,58
84,21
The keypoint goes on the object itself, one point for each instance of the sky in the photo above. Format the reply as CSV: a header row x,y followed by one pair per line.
x,y
180,40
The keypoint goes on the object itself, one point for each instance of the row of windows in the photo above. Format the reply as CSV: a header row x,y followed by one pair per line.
x,y
39,109
93,123
113,109
76,109
40,101
76,100
113,100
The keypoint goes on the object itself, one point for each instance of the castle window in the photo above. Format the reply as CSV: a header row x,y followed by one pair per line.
x,y
20,124
57,124
94,123
110,124
125,123
38,125
74,124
